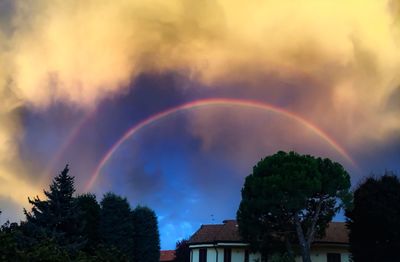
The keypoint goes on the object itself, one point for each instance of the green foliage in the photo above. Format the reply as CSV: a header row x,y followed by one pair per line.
x,y
56,218
147,239
103,254
54,211
46,250
9,249
116,224
67,228
290,196
89,216
182,251
281,257
374,220
13,248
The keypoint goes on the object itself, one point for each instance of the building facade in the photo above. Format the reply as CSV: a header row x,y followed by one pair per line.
x,y
222,243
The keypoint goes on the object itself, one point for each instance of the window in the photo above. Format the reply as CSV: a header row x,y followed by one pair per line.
x,y
246,255
333,257
203,255
227,254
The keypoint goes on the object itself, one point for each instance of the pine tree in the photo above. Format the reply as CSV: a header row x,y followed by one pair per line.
x,y
147,238
57,217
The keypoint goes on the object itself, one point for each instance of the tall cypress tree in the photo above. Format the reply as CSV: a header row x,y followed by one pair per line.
x,y
89,216
116,224
147,238
374,220
57,217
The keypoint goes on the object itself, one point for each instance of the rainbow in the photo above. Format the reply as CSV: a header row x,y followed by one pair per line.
x,y
67,142
215,102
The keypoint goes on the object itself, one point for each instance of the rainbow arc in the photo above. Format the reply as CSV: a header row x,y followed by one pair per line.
x,y
215,102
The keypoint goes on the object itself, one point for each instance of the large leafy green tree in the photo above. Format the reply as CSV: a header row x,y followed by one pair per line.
x,y
290,199
147,238
374,220
116,224
56,218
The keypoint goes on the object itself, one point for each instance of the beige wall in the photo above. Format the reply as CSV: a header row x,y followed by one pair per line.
x,y
237,255
318,254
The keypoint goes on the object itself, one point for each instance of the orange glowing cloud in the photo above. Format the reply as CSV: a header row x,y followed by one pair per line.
x,y
83,51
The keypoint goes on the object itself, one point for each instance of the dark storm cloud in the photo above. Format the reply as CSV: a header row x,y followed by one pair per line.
x,y
189,167
46,131
165,167
132,59
378,157
337,75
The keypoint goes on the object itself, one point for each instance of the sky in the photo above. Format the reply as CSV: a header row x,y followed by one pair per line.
x,y
171,103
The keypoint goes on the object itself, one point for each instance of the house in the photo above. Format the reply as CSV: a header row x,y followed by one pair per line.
x,y
167,255
222,243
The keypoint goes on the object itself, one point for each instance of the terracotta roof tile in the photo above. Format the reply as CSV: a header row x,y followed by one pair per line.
x,y
228,232
336,232
167,255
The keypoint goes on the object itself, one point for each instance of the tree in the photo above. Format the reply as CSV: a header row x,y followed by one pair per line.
x,y
13,246
374,220
147,238
89,215
290,199
182,251
56,218
9,250
116,224
46,250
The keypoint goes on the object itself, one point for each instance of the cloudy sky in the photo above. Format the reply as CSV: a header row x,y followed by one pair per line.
x,y
171,103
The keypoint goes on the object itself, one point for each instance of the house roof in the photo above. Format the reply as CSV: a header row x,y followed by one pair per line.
x,y
336,232
167,255
228,232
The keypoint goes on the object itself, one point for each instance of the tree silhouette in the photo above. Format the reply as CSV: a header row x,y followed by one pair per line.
x,y
89,217
290,197
147,238
116,224
374,221
63,227
57,217
182,251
